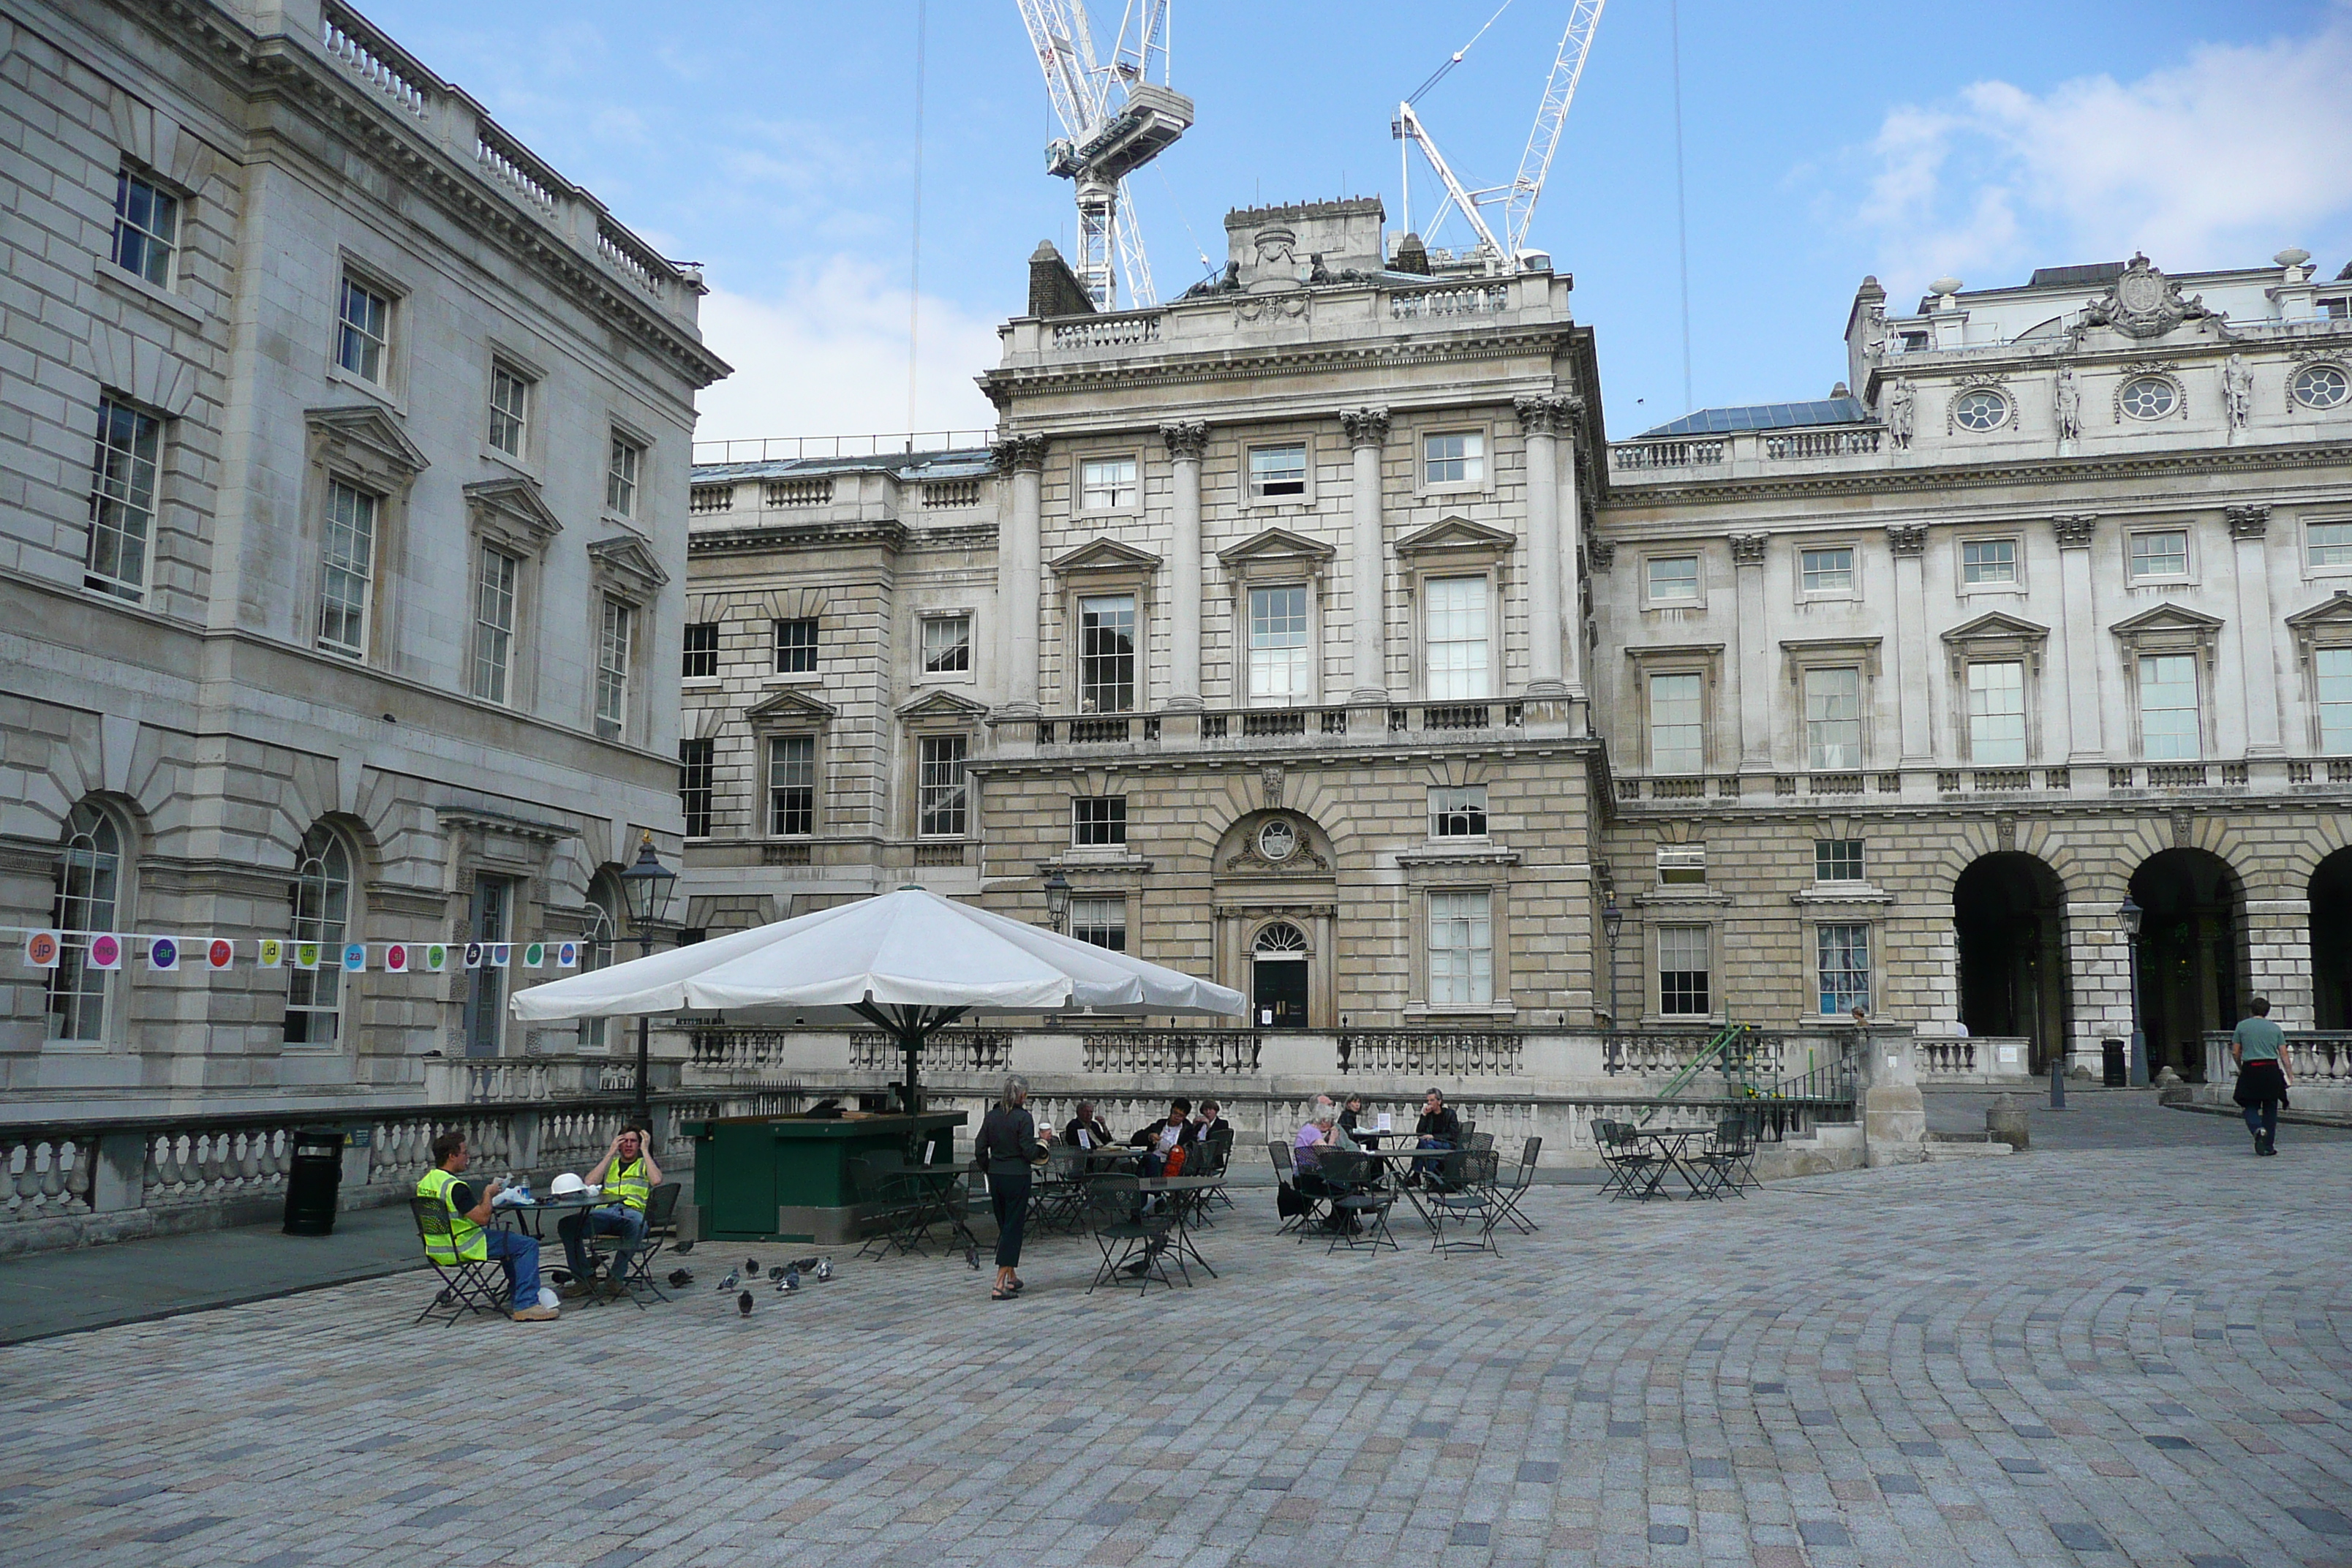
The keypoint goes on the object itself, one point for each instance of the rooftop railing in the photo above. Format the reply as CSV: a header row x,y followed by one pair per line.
x,y
823,448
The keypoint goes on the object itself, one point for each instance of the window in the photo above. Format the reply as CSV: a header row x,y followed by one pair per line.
x,y
2331,671
2168,707
1677,728
1837,861
1096,821
1672,579
363,331
2164,554
1101,921
1979,410
1833,718
510,409
1828,571
147,229
1683,988
947,644
791,785
2148,397
1107,484
796,647
1457,811
1842,958
122,499
1106,653
350,567
621,475
1997,713
1461,948
321,896
1278,473
939,786
1682,865
619,629
2330,544
494,620
1278,652
1988,561
1456,638
2322,385
700,659
88,886
1458,457
698,776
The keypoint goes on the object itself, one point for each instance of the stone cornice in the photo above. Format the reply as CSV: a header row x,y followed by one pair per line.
x,y
888,533
1209,366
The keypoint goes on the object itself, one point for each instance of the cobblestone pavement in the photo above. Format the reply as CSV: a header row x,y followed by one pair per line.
x,y
2106,1356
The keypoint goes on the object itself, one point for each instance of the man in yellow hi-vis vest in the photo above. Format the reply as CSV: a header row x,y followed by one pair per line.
x,y
628,1175
471,1239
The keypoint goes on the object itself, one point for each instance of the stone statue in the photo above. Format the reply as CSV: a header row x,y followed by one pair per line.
x,y
1900,412
2069,405
2238,391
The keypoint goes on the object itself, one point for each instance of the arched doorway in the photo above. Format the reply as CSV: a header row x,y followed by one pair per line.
x,y
2331,942
1278,977
2009,925
2193,960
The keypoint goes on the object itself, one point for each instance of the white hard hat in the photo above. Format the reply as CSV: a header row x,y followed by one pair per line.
x,y
568,1185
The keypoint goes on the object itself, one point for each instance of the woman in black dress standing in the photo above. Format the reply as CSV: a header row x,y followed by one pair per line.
x,y
1007,1146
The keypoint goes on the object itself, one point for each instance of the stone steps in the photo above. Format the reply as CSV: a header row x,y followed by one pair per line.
x,y
1962,1146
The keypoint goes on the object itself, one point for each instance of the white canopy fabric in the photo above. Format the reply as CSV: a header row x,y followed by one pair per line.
x,y
907,949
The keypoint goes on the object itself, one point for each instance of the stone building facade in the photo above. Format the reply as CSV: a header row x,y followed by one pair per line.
x,y
343,557
1311,630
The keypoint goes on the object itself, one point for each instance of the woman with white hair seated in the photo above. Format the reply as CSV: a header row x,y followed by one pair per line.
x,y
1007,1146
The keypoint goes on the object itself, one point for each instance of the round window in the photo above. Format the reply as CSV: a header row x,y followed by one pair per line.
x,y
1979,410
2150,397
1277,841
2322,386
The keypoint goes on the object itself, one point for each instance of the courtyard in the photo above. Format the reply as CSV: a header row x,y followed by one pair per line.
x,y
2133,1345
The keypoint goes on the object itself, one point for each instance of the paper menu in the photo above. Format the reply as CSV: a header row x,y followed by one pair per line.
x,y
1388,1122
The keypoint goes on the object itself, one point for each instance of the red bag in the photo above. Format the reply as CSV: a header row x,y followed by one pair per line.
x,y
1175,1165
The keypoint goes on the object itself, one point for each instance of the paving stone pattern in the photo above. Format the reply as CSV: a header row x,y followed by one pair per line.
x,y
2103,1356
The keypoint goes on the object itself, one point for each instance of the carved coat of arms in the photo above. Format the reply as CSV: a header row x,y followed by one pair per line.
x,y
2142,302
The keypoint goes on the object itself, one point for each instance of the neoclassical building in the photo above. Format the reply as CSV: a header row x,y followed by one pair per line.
x,y
343,556
1311,632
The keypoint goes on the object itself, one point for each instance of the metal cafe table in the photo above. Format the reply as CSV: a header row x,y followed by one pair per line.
x,y
1673,1146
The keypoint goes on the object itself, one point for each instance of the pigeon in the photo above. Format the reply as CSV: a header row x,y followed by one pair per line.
x,y
683,1247
729,1283
751,1266
792,1277
743,1303
679,1279
776,1270
823,1268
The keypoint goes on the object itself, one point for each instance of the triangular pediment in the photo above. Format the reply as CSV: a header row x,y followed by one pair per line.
x,y
2165,618
513,506
372,433
627,559
1276,545
942,705
2334,611
790,703
1457,533
1997,628
1107,555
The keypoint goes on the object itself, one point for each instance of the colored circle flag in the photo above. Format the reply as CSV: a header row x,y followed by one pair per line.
x,y
306,955
220,953
534,955
473,956
163,953
41,950
395,958
567,956
105,952
354,957
437,957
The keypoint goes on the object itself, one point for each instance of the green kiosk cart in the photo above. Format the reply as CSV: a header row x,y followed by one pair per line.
x,y
794,1178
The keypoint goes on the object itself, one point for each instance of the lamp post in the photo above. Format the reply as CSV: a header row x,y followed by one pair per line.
x,y
1613,921
1057,898
2130,915
647,886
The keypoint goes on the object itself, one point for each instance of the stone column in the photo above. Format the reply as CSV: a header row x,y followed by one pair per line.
x,y
1754,670
2254,637
2084,742
1019,564
1914,671
1186,443
1368,431
1539,422
1893,1116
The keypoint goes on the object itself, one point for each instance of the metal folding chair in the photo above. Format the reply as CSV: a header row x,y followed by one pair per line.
x,y
1729,1164
1510,1194
1360,1215
1286,1175
479,1285
1464,1199
1633,1172
661,1229
1124,1240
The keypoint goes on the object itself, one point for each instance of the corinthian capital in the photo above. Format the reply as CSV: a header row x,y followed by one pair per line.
x,y
1186,438
1365,427
1547,414
2248,522
1019,452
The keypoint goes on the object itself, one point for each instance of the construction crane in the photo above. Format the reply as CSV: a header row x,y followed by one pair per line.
x,y
1115,120
1502,252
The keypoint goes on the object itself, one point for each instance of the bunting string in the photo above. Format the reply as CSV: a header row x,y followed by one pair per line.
x,y
46,947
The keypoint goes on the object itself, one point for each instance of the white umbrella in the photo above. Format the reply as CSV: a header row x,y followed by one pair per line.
x,y
907,962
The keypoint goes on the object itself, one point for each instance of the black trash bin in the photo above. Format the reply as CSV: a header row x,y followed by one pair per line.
x,y
2114,1071
313,1181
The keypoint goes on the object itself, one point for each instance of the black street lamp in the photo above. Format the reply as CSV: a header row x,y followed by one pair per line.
x,y
1613,921
2130,915
1057,898
647,886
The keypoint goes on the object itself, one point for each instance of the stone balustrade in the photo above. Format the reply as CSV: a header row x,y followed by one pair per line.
x,y
949,1051
1433,1053
1979,1059
1172,1052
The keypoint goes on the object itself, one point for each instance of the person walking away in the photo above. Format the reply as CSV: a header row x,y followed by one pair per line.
x,y
1007,1146
2259,1048
628,1175
471,1239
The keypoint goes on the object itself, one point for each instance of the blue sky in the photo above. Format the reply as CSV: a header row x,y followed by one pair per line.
x,y
774,143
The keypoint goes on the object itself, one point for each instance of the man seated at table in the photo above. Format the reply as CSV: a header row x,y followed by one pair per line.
x,y
1085,1130
1210,1125
471,1240
1438,1128
1166,1142
627,1173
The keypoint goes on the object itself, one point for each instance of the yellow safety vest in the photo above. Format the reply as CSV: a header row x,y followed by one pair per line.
x,y
464,1243
625,1185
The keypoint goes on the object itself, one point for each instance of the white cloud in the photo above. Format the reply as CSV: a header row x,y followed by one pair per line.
x,y
2220,160
828,357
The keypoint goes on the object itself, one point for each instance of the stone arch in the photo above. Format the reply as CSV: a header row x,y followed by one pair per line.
x,y
2330,889
2191,954
2009,922
1276,868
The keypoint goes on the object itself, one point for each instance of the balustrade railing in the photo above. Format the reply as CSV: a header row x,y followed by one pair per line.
x,y
1445,1053
1800,444
783,493
1643,454
1485,299
1171,1051
2313,1056
704,500
1662,1053
1106,331
949,1051
940,495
